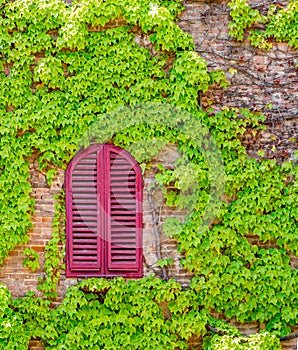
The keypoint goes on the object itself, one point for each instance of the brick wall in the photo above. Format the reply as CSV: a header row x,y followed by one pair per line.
x,y
262,78
21,280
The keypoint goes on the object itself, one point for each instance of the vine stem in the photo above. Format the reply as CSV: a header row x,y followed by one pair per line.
x,y
156,220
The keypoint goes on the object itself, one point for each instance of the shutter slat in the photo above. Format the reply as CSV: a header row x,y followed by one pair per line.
x,y
84,172
122,228
124,235
121,242
118,169
119,176
87,202
85,246
122,191
81,258
123,203
83,190
123,259
80,251
83,213
124,242
80,221
122,212
84,196
83,229
78,238
123,196
84,206
77,224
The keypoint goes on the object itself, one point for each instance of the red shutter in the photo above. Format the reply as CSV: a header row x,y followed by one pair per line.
x,y
104,213
124,190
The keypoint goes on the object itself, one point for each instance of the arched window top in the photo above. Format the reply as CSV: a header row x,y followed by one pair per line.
x,y
107,149
104,213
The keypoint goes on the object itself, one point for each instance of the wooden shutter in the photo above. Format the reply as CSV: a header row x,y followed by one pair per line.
x,y
124,193
104,213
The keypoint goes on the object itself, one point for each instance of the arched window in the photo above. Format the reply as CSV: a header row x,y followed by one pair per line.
x,y
104,213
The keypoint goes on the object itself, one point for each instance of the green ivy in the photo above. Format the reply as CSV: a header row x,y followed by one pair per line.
x,y
68,72
31,259
261,341
280,23
243,17
55,250
144,314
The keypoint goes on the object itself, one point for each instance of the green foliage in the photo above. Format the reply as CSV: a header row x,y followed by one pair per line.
x,y
280,23
165,262
68,72
34,314
260,341
144,314
243,17
49,71
31,259
115,315
106,315
13,334
55,250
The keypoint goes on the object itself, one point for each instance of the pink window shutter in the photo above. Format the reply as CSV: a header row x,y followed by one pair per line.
x,y
124,190
104,213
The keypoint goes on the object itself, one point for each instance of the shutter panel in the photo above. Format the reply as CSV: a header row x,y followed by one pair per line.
x,y
124,251
83,222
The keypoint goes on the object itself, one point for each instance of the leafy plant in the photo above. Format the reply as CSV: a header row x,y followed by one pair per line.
x,y
31,259
55,251
66,70
280,23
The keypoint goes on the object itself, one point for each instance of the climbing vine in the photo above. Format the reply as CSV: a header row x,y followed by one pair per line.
x,y
280,23
55,251
31,259
144,314
65,71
